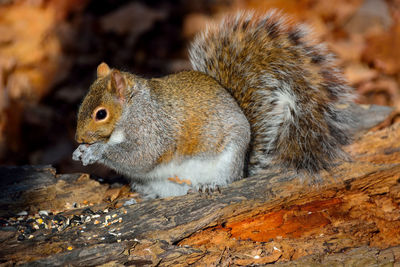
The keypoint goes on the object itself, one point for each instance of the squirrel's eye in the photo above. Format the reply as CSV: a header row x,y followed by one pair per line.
x,y
101,114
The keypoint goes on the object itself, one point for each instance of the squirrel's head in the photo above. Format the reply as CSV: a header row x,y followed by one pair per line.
x,y
102,106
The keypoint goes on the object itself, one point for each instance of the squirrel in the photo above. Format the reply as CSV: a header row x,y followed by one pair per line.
x,y
261,94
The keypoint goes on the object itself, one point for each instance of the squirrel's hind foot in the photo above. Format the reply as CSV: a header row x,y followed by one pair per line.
x,y
208,190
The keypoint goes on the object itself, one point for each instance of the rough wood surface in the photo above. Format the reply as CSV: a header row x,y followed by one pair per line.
x,y
273,218
30,188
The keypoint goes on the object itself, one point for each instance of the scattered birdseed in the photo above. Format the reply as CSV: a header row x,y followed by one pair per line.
x,y
88,219
76,220
70,248
43,212
88,211
26,224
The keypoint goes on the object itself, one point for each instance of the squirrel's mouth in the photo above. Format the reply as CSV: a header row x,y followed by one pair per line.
x,y
90,138
87,144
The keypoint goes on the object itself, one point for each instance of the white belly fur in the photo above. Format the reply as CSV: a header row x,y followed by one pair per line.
x,y
216,171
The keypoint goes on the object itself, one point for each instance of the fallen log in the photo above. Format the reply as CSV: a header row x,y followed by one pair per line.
x,y
272,218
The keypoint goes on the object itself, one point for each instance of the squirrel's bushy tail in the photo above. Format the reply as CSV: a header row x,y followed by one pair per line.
x,y
288,87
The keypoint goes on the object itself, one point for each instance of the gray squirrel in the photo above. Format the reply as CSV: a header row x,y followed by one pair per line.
x,y
260,94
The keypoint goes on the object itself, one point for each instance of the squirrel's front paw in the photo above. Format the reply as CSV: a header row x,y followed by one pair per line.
x,y
88,154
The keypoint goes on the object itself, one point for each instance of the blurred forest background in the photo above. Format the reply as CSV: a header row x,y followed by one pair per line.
x,y
49,51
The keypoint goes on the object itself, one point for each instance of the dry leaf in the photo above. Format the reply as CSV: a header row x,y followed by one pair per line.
x,y
180,181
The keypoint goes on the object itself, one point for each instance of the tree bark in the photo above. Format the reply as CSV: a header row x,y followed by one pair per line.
x,y
350,215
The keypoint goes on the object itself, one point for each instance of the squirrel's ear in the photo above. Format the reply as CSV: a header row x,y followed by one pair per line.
x,y
103,70
118,83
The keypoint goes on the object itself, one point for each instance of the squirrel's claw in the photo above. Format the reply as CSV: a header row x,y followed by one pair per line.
x,y
208,189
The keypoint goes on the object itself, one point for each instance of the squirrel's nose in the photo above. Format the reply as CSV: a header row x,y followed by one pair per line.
x,y
84,138
79,137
